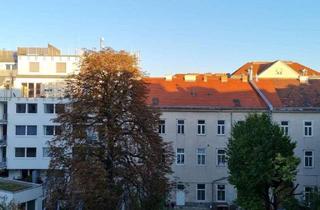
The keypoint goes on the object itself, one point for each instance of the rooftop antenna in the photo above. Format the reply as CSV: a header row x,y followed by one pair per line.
x,y
102,45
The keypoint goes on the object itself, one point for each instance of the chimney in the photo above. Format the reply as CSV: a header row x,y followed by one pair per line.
x,y
244,78
190,77
303,79
224,78
250,73
168,78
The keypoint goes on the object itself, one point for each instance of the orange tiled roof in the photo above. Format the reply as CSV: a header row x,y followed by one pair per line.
x,y
284,93
258,67
205,91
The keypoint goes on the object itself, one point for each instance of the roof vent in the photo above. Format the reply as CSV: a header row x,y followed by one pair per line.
x,y
155,101
236,102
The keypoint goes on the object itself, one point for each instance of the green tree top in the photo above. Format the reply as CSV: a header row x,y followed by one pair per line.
x,y
261,162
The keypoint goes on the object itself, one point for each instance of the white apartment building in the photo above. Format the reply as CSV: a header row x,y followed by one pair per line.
x,y
198,111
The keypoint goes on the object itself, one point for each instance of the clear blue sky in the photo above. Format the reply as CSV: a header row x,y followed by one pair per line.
x,y
172,35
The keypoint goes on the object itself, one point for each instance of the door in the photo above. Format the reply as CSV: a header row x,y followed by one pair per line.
x,y
180,198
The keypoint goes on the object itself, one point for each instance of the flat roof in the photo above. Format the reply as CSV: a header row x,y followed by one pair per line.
x,y
13,186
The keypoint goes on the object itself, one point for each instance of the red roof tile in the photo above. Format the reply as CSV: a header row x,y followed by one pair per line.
x,y
206,91
258,67
284,93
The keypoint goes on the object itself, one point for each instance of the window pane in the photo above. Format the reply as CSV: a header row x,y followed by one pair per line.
x,y
19,151
31,152
20,108
32,108
48,108
48,130
45,152
20,130
31,130
31,90
61,67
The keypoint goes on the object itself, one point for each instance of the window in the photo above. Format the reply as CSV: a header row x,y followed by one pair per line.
x,y
32,108
20,108
221,157
285,127
19,152
25,152
162,126
31,130
61,67
308,159
8,66
221,192
307,128
308,190
50,130
31,90
201,192
46,152
31,152
34,67
180,156
180,126
49,108
201,127
221,127
22,130
201,156
59,108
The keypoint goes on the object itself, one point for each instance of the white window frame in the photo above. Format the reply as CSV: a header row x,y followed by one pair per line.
x,y
181,156
25,131
180,127
202,127
284,128
308,126
162,126
221,128
217,193
304,158
201,190
218,155
201,157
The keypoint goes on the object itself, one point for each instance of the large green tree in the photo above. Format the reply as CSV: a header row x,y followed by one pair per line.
x,y
108,152
261,162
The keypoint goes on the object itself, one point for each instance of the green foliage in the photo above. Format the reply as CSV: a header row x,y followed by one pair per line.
x,y
261,162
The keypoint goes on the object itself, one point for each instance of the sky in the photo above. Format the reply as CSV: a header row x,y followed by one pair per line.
x,y
171,36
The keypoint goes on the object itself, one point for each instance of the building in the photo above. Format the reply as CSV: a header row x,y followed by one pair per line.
x,y
198,111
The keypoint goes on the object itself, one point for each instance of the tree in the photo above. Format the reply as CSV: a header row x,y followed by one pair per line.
x,y
261,162
107,152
